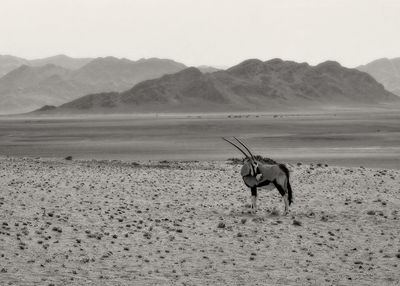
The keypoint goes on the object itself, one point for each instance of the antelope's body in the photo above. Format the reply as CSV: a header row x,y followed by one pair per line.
x,y
257,175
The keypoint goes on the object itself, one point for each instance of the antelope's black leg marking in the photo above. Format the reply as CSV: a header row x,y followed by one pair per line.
x,y
263,183
254,198
254,191
279,188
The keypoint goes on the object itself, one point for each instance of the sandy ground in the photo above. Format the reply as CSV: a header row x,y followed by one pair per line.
x,y
113,223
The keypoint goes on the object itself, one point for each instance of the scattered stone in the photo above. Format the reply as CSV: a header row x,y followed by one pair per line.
x,y
221,225
101,193
296,222
274,212
57,229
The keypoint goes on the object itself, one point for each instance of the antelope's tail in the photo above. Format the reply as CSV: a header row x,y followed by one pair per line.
x,y
289,187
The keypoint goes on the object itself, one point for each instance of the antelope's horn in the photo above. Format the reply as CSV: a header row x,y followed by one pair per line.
x,y
248,150
236,147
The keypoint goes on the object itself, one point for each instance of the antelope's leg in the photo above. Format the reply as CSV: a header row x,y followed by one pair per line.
x,y
254,198
286,201
284,195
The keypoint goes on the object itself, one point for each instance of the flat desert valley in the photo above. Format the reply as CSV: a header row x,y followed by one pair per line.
x,y
358,137
154,200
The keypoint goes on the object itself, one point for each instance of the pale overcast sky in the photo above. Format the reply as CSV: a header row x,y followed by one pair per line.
x,y
210,32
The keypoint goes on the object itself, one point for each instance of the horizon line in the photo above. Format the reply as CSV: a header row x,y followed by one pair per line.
x,y
188,65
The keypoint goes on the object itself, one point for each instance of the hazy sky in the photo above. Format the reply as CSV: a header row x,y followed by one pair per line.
x,y
212,32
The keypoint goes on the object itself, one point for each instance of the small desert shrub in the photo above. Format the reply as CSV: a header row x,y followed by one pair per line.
x,y
265,160
235,161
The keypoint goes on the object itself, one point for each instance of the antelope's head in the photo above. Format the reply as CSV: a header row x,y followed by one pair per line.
x,y
250,165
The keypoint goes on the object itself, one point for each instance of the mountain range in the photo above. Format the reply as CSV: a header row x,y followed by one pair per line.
x,y
115,85
9,63
386,71
59,79
249,86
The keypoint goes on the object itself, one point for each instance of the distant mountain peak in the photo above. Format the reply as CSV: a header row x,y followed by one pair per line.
x,y
148,59
190,71
60,56
274,61
208,69
329,63
8,57
108,59
385,71
23,69
249,63
249,66
380,60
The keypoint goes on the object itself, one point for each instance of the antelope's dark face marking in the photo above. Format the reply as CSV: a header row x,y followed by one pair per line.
x,y
253,166
256,169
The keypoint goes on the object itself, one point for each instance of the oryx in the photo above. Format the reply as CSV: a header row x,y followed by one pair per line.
x,y
256,174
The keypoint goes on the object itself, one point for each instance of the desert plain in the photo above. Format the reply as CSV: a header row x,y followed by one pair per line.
x,y
155,201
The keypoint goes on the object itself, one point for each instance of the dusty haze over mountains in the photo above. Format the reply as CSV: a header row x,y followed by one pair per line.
x,y
60,79
386,71
114,85
250,85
